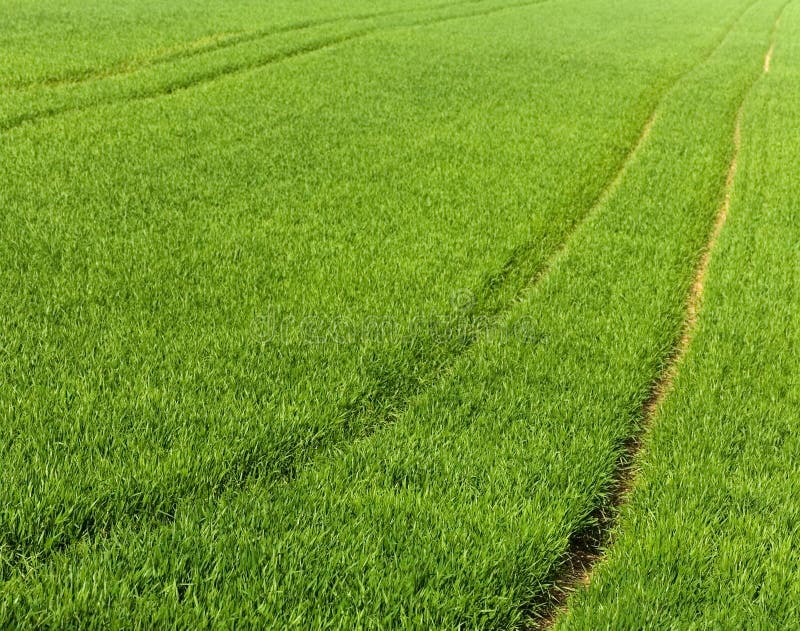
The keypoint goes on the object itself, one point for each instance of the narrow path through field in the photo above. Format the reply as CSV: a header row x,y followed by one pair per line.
x,y
218,41
586,551
768,59
518,258
233,68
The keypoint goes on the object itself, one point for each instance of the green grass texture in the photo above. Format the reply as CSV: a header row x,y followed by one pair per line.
x,y
325,315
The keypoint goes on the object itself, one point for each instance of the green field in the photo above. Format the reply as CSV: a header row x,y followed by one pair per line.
x,y
400,314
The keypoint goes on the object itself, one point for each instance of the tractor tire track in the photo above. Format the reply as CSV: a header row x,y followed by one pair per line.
x,y
586,550
521,261
233,68
218,41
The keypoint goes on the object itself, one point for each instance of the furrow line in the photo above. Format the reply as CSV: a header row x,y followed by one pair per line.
x,y
519,258
234,68
768,59
219,41
587,549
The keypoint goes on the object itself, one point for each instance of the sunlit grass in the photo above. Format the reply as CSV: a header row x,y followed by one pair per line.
x,y
342,325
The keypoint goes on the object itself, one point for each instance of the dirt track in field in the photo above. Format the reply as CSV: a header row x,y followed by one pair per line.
x,y
586,552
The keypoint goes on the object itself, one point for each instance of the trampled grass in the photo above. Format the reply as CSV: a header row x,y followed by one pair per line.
x,y
326,316
720,465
